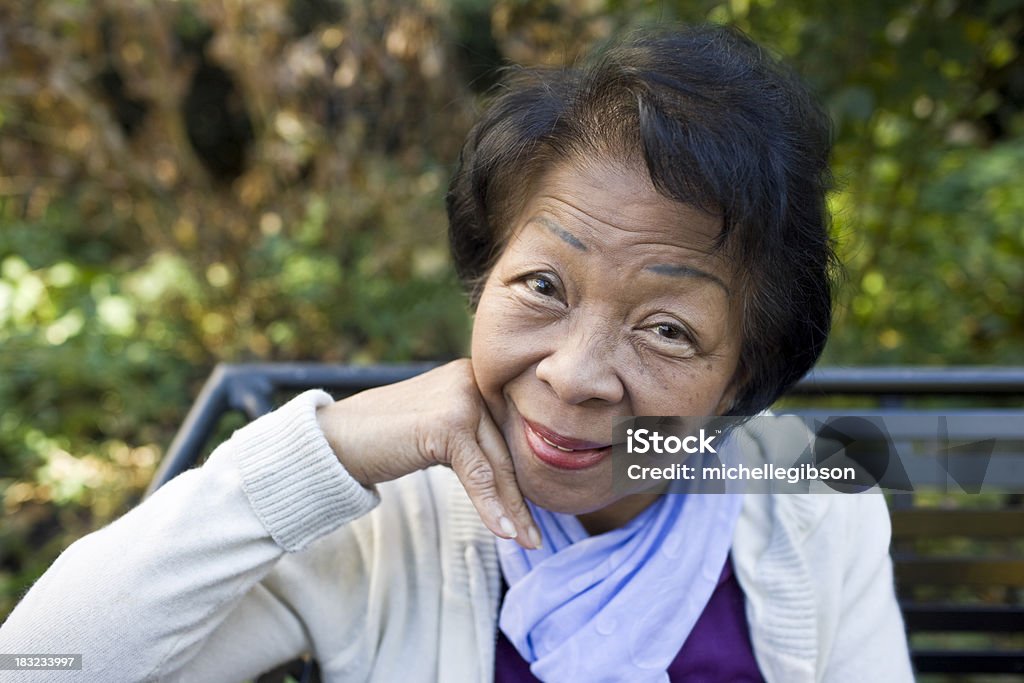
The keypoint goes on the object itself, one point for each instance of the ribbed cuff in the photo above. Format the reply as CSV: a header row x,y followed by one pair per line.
x,y
293,480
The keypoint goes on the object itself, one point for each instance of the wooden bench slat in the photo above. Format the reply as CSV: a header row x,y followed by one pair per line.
x,y
919,571
910,424
947,661
944,617
926,523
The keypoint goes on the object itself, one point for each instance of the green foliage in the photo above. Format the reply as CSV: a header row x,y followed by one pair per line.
x,y
151,226
928,125
186,182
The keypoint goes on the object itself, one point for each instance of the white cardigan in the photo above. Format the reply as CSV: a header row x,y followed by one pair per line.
x,y
271,549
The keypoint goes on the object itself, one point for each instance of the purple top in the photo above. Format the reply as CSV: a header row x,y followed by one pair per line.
x,y
718,648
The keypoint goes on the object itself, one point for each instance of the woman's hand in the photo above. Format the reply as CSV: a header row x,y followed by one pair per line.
x,y
437,418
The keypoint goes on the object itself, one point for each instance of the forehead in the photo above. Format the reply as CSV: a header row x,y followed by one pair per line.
x,y
607,208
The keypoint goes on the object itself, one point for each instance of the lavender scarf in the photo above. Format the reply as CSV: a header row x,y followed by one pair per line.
x,y
618,606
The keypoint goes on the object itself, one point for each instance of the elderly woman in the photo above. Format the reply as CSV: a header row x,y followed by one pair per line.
x,y
643,236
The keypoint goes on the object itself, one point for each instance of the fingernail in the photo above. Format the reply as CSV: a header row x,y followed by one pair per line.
x,y
507,527
534,536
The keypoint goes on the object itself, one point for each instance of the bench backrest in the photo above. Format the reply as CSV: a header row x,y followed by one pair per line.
x,y
959,558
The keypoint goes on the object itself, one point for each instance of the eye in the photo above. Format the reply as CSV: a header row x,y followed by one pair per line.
x,y
670,331
541,285
673,333
540,288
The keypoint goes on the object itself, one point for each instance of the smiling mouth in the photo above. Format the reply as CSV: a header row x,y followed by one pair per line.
x,y
567,450
563,452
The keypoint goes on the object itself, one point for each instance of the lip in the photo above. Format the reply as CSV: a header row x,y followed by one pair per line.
x,y
545,445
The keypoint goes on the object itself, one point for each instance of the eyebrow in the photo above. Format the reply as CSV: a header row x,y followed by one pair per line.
x,y
686,271
561,232
672,270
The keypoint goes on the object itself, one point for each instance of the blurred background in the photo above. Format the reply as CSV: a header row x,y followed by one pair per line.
x,y
184,182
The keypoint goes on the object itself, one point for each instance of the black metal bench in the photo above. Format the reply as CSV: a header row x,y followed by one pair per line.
x,y
959,559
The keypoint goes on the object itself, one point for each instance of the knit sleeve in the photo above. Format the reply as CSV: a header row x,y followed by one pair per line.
x,y
138,598
292,478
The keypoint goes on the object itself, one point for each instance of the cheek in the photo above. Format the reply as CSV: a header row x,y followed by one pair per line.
x,y
693,390
494,348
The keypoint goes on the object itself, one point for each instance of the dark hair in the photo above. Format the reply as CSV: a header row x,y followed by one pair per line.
x,y
718,124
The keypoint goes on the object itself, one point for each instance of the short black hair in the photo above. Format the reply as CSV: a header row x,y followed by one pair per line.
x,y
717,123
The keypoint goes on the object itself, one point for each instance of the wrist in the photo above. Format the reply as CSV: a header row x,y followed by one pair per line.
x,y
331,420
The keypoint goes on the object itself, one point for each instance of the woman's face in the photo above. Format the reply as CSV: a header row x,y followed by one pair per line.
x,y
606,301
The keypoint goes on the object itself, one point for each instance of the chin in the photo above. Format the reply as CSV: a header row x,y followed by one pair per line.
x,y
566,499
560,505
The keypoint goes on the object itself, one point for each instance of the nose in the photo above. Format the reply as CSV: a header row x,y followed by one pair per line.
x,y
580,368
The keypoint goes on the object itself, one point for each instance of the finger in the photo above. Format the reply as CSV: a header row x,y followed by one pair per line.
x,y
477,476
475,472
496,450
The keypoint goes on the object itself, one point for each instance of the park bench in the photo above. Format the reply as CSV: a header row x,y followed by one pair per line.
x,y
958,558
